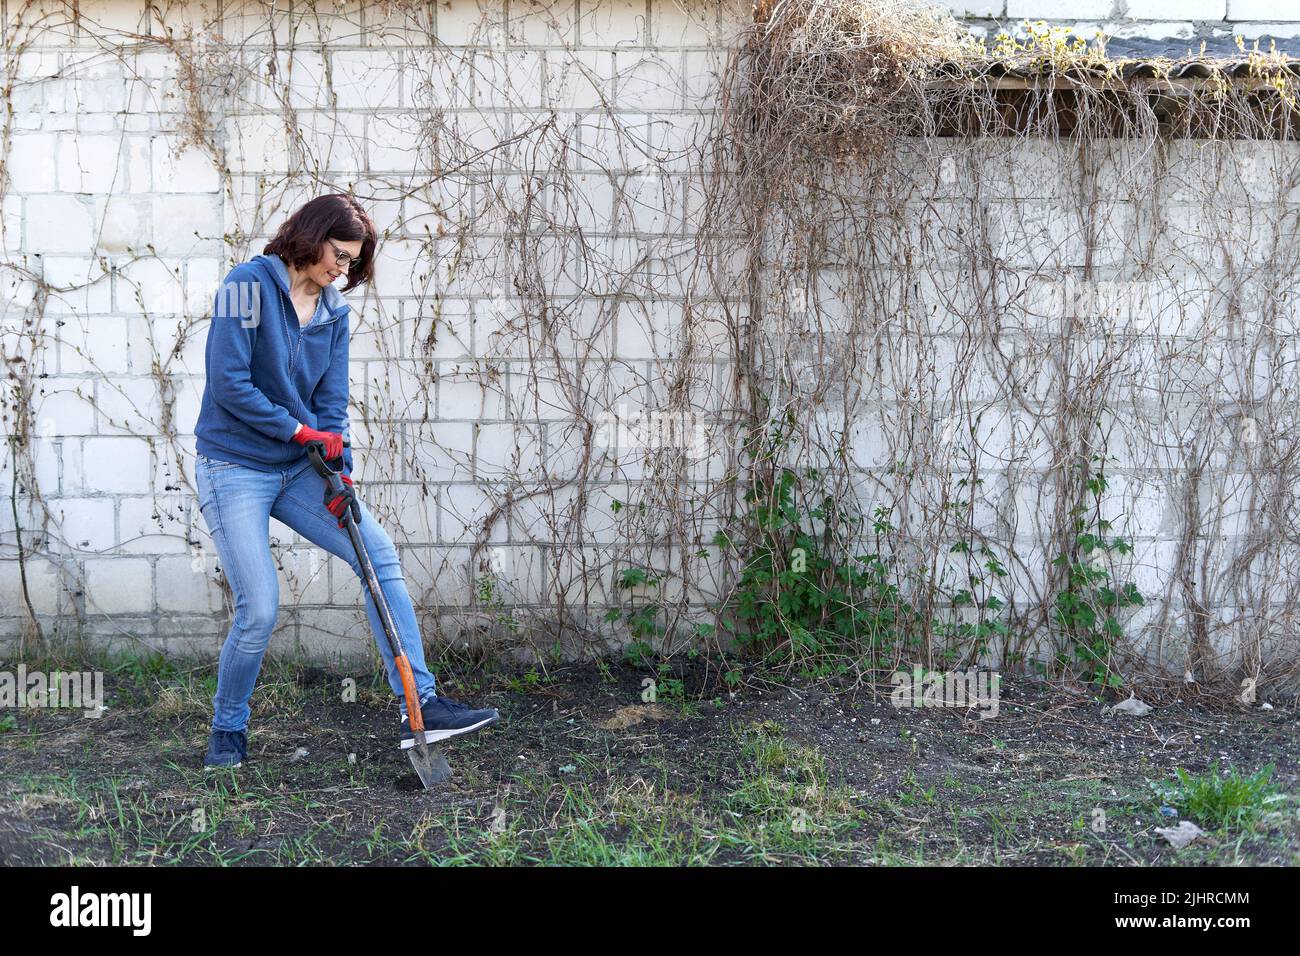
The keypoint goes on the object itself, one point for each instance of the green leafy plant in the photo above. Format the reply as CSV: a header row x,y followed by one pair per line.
x,y
1220,799
642,617
667,686
979,580
487,593
638,654
794,602
1087,609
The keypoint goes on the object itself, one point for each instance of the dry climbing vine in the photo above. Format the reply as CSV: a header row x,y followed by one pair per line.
x,y
985,351
1017,342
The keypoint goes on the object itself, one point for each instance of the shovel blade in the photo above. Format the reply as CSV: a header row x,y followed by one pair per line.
x,y
430,765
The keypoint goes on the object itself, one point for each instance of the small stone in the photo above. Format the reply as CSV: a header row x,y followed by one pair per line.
x,y
1180,836
1132,707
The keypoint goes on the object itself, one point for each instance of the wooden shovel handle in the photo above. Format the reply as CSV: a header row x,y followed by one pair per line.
x,y
412,699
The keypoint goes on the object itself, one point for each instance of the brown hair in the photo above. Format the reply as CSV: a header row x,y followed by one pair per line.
x,y
334,216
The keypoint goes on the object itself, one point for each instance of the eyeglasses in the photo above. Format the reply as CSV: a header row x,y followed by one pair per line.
x,y
342,259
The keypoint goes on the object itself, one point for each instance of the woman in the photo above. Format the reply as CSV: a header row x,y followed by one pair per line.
x,y
277,378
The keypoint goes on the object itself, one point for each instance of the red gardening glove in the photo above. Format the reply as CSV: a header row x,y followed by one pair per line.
x,y
341,503
333,441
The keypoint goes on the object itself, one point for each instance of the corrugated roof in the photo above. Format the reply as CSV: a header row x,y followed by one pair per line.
x,y
1183,57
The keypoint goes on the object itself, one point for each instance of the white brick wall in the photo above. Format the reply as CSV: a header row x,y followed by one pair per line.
x,y
1263,10
106,200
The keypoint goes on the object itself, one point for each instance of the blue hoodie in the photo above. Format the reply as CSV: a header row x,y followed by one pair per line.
x,y
265,373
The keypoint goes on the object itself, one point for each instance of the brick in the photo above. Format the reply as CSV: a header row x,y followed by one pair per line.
x,y
331,634
151,286
648,80
190,171
1276,10
550,23
98,88
362,79
504,449
304,575
1177,9
44,586
126,225
12,224
384,26
445,453
86,524
135,164
93,346
1059,9
612,23
61,224
152,525
478,23
677,24
128,406
111,18
394,143
508,79
336,140
465,508
463,397
117,465
64,406
40,91
187,585
976,8
31,164
186,224
118,586
578,79
88,164
88,288
258,143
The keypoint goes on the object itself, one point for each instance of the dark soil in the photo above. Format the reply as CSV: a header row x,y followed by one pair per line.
x,y
581,770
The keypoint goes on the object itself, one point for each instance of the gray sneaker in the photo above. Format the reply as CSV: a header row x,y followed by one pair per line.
x,y
444,718
226,749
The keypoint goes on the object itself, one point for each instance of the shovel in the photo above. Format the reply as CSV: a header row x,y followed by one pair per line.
x,y
430,765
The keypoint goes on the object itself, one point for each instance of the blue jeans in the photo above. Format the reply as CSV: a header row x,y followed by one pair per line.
x,y
237,503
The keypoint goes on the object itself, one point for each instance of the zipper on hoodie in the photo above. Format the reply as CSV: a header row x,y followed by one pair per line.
x,y
284,316
311,326
293,355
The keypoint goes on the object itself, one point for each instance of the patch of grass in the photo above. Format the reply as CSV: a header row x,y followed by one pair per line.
x,y
597,822
783,803
528,681
1219,799
913,792
641,825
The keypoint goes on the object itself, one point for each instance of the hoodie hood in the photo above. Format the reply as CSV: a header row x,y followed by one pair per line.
x,y
335,304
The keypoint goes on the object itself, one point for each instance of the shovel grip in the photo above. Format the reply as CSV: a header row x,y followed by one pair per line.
x,y
333,481
412,698
316,455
